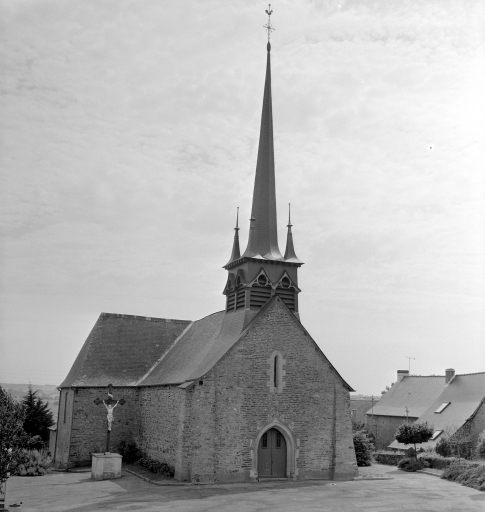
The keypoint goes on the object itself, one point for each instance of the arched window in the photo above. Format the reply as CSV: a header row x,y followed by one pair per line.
x,y
276,373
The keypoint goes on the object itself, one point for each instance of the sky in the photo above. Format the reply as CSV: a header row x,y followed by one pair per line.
x,y
128,138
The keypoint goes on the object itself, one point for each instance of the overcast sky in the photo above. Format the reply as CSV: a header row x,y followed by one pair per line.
x,y
129,134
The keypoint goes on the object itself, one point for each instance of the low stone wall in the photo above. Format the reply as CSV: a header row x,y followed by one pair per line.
x,y
389,458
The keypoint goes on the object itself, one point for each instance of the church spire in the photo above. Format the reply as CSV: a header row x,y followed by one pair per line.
x,y
290,250
264,239
236,253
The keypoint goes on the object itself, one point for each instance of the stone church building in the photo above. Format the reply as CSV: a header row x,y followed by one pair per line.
x,y
242,394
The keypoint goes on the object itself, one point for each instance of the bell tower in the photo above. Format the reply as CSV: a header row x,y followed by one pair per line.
x,y
261,271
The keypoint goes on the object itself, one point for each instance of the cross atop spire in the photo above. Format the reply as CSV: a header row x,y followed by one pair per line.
x,y
268,25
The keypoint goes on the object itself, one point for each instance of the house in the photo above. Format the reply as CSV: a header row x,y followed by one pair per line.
x,y
241,394
407,399
458,409
359,407
416,398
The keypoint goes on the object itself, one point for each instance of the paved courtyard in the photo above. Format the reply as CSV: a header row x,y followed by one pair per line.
x,y
404,492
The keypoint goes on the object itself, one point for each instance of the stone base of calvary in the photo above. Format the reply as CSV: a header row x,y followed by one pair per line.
x,y
107,465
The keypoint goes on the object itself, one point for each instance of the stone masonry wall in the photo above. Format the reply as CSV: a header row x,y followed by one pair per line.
x,y
234,404
477,424
161,419
384,428
89,424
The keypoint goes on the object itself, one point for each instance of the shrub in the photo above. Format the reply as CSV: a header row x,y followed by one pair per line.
x,y
412,464
31,462
466,473
443,448
437,461
36,443
389,458
156,466
363,449
13,436
480,449
129,451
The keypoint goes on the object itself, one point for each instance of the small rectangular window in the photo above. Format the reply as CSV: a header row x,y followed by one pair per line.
x,y
442,407
435,435
278,440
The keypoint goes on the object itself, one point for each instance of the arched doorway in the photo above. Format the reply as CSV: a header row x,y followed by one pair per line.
x,y
272,454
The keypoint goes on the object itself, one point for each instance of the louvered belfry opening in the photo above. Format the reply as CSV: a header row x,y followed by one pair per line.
x,y
259,296
231,301
260,292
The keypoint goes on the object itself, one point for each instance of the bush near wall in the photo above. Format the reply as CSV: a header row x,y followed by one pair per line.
x,y
389,458
437,461
471,474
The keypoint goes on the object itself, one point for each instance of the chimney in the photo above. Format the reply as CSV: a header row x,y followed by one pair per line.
x,y
401,374
449,374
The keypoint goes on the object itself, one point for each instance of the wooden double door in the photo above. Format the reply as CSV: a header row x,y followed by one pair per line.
x,y
272,454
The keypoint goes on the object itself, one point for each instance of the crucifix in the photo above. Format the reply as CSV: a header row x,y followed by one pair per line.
x,y
110,404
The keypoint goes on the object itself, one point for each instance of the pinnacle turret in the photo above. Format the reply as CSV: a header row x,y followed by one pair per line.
x,y
236,253
290,250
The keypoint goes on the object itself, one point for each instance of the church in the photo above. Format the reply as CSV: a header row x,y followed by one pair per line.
x,y
240,395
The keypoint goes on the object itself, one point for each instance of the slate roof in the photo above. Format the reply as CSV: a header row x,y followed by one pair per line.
x,y
121,349
125,350
205,342
465,393
414,391
198,349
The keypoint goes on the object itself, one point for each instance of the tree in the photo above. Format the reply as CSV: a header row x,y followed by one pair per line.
x,y
414,433
38,418
387,388
12,436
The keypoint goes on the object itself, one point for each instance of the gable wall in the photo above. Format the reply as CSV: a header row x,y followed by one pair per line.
x,y
235,402
476,425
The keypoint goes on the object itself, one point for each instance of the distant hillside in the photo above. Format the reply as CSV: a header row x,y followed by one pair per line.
x,y
48,392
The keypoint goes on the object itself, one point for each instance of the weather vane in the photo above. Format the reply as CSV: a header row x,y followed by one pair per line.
x,y
268,26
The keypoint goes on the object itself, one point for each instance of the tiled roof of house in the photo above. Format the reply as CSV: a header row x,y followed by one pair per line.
x,y
464,394
121,349
416,393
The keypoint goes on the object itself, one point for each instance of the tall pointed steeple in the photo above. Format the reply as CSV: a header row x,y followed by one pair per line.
x,y
262,273
264,240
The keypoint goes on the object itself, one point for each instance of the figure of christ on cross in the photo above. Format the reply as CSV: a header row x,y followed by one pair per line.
x,y
110,404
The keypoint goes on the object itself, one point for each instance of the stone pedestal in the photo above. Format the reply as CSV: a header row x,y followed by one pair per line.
x,y
106,466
